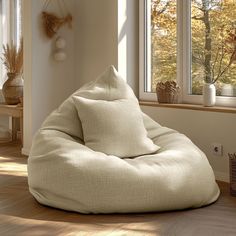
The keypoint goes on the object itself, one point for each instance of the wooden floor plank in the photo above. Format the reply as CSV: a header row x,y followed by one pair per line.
x,y
21,215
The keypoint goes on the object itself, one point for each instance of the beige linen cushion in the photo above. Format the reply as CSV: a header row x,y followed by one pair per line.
x,y
111,118
114,127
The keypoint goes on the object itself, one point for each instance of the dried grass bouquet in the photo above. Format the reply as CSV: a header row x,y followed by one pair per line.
x,y
13,58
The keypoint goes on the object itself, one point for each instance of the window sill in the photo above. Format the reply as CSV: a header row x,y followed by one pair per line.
x,y
189,107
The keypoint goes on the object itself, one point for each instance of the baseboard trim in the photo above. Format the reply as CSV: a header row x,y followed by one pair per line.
x,y
222,176
25,151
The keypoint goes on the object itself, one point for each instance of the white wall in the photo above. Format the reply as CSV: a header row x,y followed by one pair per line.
x,y
52,81
92,46
96,38
49,82
106,34
128,54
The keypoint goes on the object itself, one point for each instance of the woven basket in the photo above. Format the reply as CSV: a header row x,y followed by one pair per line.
x,y
232,169
167,92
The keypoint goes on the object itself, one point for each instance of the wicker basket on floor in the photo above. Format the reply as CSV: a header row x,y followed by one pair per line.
x,y
167,92
232,169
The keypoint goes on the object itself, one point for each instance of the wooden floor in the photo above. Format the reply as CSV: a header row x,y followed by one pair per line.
x,y
21,215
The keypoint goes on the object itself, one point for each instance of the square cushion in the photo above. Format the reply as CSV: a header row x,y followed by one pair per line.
x,y
114,127
111,118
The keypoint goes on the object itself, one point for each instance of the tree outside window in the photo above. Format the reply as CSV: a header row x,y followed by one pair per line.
x,y
213,44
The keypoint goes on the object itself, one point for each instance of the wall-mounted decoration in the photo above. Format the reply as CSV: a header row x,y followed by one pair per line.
x,y
52,22
59,54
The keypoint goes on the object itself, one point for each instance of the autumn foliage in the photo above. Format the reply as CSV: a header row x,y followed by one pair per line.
x,y
213,42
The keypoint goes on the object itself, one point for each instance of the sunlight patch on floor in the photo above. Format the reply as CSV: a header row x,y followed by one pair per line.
x,y
10,167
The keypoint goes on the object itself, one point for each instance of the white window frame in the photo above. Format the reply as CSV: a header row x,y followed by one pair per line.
x,y
5,34
183,55
9,29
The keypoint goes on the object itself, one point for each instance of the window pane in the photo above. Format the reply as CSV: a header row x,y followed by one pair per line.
x,y
163,41
214,45
18,21
10,27
1,43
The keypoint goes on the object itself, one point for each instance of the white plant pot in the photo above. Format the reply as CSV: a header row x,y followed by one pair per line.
x,y
228,90
209,95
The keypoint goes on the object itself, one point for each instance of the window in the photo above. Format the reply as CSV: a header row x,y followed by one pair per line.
x,y
10,27
188,41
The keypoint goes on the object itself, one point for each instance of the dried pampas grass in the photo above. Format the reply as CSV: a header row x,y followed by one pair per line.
x,y
13,58
52,23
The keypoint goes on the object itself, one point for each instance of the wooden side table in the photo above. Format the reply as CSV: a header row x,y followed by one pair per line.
x,y
16,112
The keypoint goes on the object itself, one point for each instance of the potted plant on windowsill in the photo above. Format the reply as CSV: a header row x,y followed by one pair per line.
x,y
13,61
225,51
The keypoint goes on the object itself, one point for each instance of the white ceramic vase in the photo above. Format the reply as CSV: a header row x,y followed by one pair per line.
x,y
209,95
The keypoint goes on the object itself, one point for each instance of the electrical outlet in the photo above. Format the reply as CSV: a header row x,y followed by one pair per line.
x,y
217,149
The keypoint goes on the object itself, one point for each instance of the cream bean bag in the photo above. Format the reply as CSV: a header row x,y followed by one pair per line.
x,y
65,173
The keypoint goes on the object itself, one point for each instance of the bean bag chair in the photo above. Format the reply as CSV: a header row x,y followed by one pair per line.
x,y
98,153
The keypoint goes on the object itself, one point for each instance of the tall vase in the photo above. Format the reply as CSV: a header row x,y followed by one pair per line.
x,y
209,95
13,89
